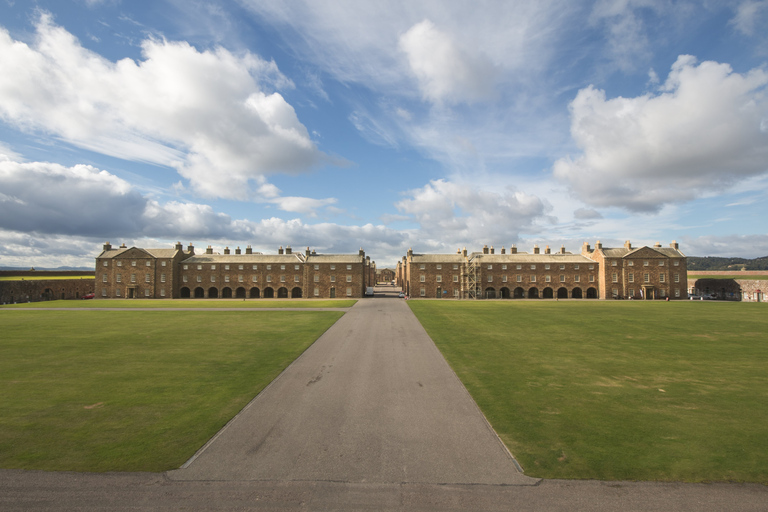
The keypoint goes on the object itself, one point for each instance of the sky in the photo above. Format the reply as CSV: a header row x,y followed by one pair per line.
x,y
389,125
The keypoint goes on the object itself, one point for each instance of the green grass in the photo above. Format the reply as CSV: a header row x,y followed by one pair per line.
x,y
674,391
42,278
188,303
134,390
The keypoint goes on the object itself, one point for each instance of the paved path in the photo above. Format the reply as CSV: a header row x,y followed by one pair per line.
x,y
372,400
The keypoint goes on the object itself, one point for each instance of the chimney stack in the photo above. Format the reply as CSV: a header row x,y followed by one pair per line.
x,y
536,249
628,245
513,249
503,250
464,252
280,250
485,249
209,250
562,249
491,249
547,251
226,250
107,246
191,248
248,250
675,245
237,251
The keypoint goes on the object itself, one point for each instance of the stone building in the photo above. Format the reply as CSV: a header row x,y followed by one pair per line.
x,y
637,273
32,285
177,273
743,286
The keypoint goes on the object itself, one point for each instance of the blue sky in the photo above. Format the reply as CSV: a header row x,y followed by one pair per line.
x,y
383,125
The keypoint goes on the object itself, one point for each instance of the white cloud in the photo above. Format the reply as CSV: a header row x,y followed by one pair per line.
x,y
700,133
208,114
446,72
727,246
450,213
750,14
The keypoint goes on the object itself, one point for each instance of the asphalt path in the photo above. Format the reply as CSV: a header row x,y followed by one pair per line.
x,y
370,417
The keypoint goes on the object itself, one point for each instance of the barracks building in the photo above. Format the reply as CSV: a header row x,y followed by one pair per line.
x,y
133,272
596,273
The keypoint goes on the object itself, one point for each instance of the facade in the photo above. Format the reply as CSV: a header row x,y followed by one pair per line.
x,y
743,286
177,273
36,288
599,273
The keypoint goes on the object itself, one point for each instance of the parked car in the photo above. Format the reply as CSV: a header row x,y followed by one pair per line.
x,y
88,296
401,295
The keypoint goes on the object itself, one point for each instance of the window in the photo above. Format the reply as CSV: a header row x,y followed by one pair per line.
x,y
213,279
184,279
630,263
317,267
104,278
333,267
455,292
162,278
645,263
631,292
239,267
422,266
662,293
490,279
562,278
591,267
455,266
119,263
349,278
615,277
119,278
349,267
631,277
295,279
317,292
562,267
186,267
269,267
149,264
439,278
576,267
455,279
661,263
255,267
282,267
591,279
519,267
213,267
133,278
239,279
146,293
199,267
269,279
282,279
333,279
423,292
295,267
547,279
439,267
613,263
662,278
133,263
317,278
103,292
533,279
676,263
117,292
105,263
162,292
615,292
576,278
646,277
546,267
422,278
199,279
146,278
533,267
162,263
349,292
677,278
490,267
504,278
677,292
226,279
254,278
503,267
519,279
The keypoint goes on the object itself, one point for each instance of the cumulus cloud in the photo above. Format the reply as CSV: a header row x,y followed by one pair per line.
x,y
750,14
704,130
209,114
727,246
446,72
450,213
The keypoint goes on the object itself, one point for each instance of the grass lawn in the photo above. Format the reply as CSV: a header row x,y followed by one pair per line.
x,y
135,390
674,391
188,303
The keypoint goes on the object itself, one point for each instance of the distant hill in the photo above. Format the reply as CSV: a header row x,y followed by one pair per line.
x,y
717,263
78,269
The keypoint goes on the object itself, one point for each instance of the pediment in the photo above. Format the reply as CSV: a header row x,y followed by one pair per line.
x,y
135,252
646,253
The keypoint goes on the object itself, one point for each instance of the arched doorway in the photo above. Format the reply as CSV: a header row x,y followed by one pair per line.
x,y
213,293
48,294
504,293
199,293
240,293
226,293
576,293
282,293
269,293
519,293
548,293
296,293
490,293
533,293
184,292
562,293
254,294
591,293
